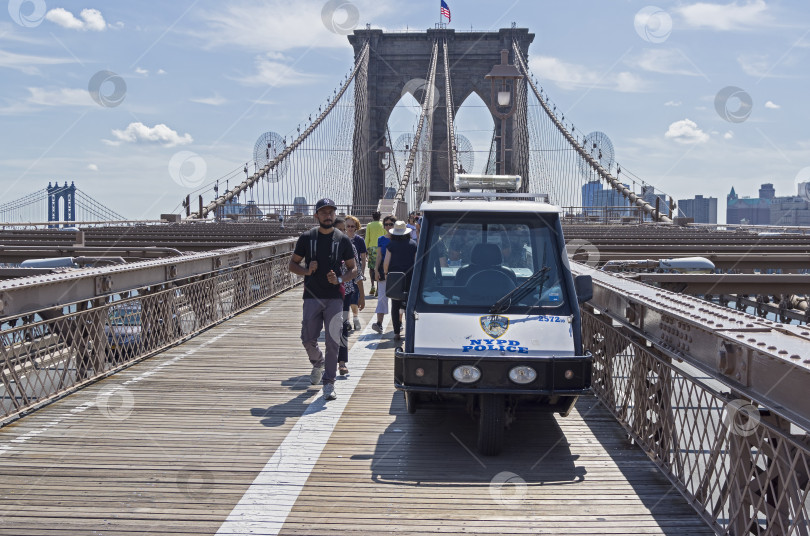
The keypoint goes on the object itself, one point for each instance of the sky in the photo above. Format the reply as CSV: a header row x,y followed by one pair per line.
x,y
696,97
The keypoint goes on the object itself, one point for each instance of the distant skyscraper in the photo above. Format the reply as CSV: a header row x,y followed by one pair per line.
x,y
595,196
702,209
767,209
648,194
753,211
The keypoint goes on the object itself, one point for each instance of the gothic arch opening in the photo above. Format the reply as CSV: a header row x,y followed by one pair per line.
x,y
402,123
474,122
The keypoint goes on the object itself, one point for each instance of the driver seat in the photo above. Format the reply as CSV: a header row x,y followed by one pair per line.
x,y
484,256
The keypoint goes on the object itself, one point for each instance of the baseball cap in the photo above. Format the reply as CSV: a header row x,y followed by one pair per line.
x,y
325,202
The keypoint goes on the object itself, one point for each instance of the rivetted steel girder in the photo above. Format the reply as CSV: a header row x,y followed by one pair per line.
x,y
729,283
763,360
18,296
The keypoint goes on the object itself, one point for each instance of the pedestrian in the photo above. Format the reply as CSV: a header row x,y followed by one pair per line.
x,y
374,230
412,225
323,248
400,256
352,295
352,226
382,300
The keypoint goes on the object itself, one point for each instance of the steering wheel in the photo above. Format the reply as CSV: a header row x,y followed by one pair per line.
x,y
489,285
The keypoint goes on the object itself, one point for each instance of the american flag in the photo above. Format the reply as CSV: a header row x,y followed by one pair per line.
x,y
445,10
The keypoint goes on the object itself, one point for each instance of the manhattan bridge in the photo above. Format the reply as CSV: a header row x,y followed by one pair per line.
x,y
151,374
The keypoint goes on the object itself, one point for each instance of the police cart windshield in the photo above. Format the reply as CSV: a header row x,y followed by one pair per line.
x,y
474,259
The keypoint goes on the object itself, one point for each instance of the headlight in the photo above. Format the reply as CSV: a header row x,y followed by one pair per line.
x,y
466,374
522,374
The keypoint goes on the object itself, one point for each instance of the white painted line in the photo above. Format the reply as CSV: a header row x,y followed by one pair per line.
x,y
266,504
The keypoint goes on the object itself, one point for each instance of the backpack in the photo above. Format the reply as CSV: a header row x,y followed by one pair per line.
x,y
312,250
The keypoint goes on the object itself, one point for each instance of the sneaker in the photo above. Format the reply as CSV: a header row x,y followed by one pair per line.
x,y
372,292
316,375
342,368
329,391
397,336
376,327
357,326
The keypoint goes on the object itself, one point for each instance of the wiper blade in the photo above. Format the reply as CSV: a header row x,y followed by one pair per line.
x,y
520,291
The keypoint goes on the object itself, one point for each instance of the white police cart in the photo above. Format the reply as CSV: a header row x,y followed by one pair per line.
x,y
492,313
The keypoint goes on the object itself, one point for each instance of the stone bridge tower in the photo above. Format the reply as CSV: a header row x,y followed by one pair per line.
x,y
399,58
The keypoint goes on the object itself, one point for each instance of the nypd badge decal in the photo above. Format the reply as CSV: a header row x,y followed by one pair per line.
x,y
494,325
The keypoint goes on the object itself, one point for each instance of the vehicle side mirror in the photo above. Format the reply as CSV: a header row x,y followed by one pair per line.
x,y
583,286
395,286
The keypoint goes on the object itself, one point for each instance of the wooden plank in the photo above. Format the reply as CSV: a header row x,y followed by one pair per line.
x,y
182,436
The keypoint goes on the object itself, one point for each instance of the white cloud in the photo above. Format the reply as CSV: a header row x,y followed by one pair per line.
x,y
59,97
569,75
92,167
27,64
161,71
270,72
271,25
754,64
724,17
686,131
216,100
728,135
138,132
673,103
139,70
772,105
91,19
666,61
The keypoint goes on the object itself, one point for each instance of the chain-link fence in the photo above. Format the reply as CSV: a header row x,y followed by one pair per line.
x,y
45,352
739,465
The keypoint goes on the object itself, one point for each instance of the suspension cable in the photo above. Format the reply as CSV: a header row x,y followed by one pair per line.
x,y
250,181
593,164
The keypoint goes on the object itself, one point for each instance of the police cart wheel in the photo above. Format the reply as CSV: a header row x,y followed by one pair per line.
x,y
491,424
410,401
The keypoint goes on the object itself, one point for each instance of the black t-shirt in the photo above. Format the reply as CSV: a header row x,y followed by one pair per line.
x,y
317,286
403,255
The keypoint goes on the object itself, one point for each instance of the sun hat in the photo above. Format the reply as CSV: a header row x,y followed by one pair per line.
x,y
325,202
400,228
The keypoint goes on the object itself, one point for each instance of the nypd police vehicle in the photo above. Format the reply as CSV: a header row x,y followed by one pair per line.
x,y
492,315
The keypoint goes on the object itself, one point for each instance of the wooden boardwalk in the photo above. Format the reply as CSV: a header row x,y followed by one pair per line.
x,y
224,433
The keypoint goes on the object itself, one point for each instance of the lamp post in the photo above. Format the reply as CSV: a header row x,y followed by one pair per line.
x,y
384,155
502,102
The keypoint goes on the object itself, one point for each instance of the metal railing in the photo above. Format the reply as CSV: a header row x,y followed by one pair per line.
x,y
97,321
738,456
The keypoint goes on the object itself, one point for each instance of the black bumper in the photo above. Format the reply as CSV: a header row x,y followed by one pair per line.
x,y
436,374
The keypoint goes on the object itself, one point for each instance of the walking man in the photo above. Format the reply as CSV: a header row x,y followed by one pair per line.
x,y
323,248
374,230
